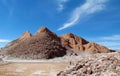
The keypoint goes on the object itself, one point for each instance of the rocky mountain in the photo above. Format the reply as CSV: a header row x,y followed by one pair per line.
x,y
46,44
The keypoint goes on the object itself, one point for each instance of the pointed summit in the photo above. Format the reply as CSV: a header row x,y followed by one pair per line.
x,y
43,30
25,35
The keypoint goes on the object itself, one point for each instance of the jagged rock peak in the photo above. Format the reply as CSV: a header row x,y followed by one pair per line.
x,y
71,35
43,30
68,35
25,35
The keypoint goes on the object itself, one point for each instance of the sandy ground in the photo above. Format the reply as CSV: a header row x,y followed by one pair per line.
x,y
18,67
32,69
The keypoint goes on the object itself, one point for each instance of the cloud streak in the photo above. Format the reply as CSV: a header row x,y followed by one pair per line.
x,y
88,8
109,43
9,6
112,42
4,40
114,37
61,4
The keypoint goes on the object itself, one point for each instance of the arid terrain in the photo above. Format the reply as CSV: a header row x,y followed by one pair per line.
x,y
16,67
32,68
46,54
86,64
45,44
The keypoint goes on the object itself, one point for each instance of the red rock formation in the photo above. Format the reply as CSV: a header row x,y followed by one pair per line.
x,y
72,41
96,48
79,44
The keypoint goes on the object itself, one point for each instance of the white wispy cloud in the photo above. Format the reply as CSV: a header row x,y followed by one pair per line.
x,y
112,42
113,37
106,38
8,5
88,8
4,40
61,4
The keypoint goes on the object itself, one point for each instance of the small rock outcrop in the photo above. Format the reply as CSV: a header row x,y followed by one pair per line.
x,y
1,59
104,64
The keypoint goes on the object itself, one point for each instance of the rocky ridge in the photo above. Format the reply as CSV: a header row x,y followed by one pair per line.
x,y
45,44
78,44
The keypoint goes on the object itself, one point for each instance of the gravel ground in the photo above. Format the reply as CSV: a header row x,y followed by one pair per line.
x,y
104,64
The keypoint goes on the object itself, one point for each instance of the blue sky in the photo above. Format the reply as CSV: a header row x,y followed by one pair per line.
x,y
95,20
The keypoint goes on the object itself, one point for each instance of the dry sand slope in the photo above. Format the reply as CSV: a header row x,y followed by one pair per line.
x,y
32,69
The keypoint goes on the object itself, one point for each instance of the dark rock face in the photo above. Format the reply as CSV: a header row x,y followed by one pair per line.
x,y
107,64
1,59
44,44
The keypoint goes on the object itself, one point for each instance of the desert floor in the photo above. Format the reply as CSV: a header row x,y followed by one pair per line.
x,y
32,68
